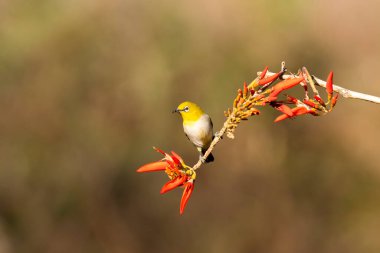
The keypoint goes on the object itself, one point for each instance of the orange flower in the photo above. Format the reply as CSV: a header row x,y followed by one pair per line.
x,y
270,79
155,166
284,85
189,187
263,73
245,89
320,100
291,99
179,173
329,85
310,103
334,100
296,112
174,183
282,108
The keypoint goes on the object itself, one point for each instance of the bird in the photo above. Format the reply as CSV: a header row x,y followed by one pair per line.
x,y
198,127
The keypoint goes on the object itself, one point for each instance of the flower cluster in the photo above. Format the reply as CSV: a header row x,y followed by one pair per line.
x,y
265,91
178,172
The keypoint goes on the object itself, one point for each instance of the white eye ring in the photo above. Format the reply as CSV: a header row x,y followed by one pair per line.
x,y
186,109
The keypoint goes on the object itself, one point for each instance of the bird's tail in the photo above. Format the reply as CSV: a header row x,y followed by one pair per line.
x,y
210,157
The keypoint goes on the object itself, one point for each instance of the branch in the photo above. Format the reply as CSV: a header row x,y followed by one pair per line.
x,y
216,139
346,93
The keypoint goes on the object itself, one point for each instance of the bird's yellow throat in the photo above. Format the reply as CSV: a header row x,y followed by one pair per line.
x,y
190,112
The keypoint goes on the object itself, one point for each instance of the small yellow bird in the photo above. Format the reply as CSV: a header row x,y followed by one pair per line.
x,y
197,126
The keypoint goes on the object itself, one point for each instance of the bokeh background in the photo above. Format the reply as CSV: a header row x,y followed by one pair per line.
x,y
87,88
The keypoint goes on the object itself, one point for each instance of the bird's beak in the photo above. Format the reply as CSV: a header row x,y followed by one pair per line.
x,y
176,110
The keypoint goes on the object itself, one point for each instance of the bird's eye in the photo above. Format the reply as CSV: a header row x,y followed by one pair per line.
x,y
186,109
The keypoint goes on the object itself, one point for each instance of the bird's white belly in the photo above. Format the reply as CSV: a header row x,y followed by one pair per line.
x,y
200,132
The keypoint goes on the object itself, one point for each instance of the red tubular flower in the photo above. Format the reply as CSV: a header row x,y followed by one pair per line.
x,y
334,100
329,85
155,166
320,100
269,99
176,158
281,117
245,89
189,187
310,103
263,73
179,173
296,112
171,162
283,108
270,79
174,183
291,99
284,85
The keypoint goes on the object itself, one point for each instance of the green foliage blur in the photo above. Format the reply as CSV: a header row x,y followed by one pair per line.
x,y
87,88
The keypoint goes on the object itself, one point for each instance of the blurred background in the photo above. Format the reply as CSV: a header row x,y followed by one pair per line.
x,y
87,88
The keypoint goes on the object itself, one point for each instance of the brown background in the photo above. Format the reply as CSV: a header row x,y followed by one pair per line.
x,y
87,87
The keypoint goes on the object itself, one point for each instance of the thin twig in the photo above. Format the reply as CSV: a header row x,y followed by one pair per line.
x,y
342,91
216,139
